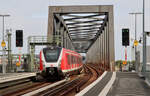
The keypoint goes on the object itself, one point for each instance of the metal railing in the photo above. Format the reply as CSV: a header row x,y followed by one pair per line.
x,y
38,39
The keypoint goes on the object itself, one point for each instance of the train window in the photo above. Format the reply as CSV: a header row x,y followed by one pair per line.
x,y
72,61
51,55
68,59
76,59
80,60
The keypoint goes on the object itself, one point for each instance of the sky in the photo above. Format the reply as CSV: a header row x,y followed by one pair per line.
x,y
32,17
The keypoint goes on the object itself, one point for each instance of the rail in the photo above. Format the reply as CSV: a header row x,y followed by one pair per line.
x,y
60,88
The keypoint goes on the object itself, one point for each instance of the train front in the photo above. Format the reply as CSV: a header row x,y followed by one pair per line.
x,y
50,62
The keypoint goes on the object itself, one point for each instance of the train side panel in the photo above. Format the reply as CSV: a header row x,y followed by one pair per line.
x,y
71,61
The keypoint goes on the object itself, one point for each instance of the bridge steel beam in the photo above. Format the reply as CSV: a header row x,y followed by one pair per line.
x,y
102,56
106,58
59,30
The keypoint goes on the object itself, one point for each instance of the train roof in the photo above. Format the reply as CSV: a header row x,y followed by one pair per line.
x,y
56,47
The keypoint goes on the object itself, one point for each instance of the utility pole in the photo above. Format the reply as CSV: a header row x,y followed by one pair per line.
x,y
3,45
144,41
135,14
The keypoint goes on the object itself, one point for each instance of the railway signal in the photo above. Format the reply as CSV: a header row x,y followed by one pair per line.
x,y
125,37
125,41
19,38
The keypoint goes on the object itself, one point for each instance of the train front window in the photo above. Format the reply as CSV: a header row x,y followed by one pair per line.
x,y
51,55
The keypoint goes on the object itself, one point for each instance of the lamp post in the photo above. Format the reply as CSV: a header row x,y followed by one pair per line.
x,y
4,65
9,49
135,14
144,41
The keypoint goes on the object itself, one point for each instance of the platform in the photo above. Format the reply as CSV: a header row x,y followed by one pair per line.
x,y
97,86
129,84
15,76
117,84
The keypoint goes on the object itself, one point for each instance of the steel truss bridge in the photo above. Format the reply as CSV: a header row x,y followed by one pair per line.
x,y
85,29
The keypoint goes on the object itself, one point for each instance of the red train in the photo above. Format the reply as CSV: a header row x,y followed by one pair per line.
x,y
57,62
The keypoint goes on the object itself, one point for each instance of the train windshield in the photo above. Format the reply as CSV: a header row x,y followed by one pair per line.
x,y
51,55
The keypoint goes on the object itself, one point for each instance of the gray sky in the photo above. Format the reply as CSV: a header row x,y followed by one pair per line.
x,y
32,17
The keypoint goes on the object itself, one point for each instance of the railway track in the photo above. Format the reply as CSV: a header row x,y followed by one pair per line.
x,y
58,89
67,88
71,87
8,87
21,88
94,74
